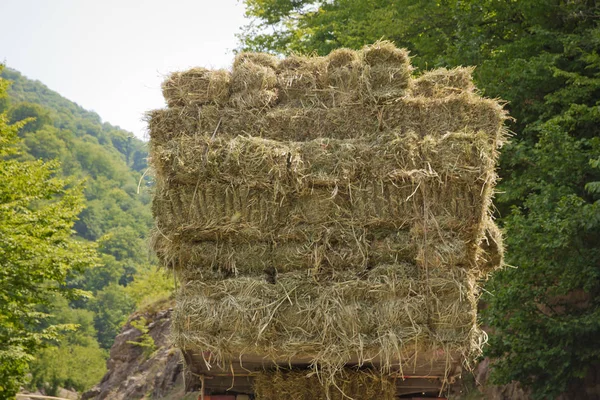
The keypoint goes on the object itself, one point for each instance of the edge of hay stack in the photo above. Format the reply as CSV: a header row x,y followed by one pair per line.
x,y
333,209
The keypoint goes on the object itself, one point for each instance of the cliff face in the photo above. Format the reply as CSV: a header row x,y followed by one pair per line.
x,y
136,371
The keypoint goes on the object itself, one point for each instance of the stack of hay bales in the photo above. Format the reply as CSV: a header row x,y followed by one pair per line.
x,y
334,208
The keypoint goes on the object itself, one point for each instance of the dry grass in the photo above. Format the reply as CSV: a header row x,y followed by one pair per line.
x,y
302,386
443,82
421,115
332,207
196,87
385,316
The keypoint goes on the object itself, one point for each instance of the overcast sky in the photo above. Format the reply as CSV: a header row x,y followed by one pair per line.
x,y
110,56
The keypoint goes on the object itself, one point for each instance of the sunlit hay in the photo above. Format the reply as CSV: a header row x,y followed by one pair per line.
x,y
382,318
297,166
387,72
385,53
386,82
438,116
330,210
424,116
440,249
220,211
254,99
196,87
342,77
302,385
421,115
166,124
443,82
491,248
300,81
253,81
264,59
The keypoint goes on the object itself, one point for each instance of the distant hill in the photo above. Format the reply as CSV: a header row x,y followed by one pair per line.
x,y
110,163
69,115
111,159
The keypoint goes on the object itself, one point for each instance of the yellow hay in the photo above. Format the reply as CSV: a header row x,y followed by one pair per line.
x,y
196,87
302,386
385,316
332,208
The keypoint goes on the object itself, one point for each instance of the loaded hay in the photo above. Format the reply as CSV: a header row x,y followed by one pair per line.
x,y
296,385
334,209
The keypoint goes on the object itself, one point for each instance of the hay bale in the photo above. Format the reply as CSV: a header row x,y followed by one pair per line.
x,y
443,82
387,72
316,256
491,256
328,207
385,52
264,59
219,211
387,314
331,163
301,82
196,87
344,68
253,81
423,116
300,385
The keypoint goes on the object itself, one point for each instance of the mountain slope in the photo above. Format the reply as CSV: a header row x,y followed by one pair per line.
x,y
109,163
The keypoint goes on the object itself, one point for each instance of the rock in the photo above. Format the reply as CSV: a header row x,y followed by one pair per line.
x,y
133,374
67,394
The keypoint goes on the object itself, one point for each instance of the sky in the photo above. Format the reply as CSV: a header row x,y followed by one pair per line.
x,y
111,56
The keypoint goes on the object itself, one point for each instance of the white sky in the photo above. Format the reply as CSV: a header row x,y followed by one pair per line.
x,y
110,56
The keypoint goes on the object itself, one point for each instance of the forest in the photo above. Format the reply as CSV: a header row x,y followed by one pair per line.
x,y
74,216
69,281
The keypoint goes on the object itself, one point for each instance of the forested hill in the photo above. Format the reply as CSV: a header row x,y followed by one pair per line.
x,y
109,163
110,159
68,115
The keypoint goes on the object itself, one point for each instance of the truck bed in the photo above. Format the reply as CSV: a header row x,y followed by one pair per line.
x,y
425,373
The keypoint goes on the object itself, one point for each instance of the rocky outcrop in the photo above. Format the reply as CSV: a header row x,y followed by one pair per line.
x,y
136,371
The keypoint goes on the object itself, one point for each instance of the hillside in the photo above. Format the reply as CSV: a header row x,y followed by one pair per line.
x,y
109,163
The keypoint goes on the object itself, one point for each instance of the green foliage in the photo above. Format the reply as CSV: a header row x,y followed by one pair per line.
x,y
37,251
145,341
150,285
542,57
39,116
112,306
76,361
61,139
553,299
68,365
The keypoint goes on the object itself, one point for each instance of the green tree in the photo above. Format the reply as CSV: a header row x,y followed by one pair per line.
x,y
150,285
542,57
109,162
37,251
75,361
38,114
112,306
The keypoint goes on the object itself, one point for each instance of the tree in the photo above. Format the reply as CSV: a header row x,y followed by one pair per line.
x,y
37,251
542,57
150,286
38,115
75,361
108,161
112,306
